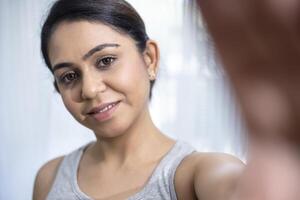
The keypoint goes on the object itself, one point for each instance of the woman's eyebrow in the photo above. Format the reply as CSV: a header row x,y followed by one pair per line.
x,y
98,48
61,65
86,56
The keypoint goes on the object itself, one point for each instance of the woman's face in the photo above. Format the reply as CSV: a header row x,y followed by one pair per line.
x,y
102,77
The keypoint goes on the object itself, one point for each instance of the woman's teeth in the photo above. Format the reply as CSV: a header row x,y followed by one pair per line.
x,y
106,108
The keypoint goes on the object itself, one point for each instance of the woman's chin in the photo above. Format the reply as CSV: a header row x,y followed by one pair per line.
x,y
109,132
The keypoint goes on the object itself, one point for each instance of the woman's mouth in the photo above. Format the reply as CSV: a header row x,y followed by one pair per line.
x,y
104,111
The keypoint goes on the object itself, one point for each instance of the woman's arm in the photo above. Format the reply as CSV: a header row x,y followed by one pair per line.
x,y
259,44
208,176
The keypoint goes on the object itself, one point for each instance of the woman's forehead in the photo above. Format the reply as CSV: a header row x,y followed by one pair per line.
x,y
81,36
84,31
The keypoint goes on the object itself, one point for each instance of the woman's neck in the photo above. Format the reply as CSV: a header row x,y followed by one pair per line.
x,y
141,141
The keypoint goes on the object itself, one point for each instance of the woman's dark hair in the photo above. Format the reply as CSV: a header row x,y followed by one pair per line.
x,y
118,14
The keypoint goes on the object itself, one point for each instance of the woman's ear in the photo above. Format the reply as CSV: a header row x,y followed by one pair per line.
x,y
151,58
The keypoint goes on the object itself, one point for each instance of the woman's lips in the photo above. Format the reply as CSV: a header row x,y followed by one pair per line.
x,y
104,112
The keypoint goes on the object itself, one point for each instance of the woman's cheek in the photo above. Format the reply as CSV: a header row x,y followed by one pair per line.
x,y
70,104
134,80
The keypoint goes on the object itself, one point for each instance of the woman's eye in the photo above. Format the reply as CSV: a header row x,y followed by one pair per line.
x,y
68,77
105,62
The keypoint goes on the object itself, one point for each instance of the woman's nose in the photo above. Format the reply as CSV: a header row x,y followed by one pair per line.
x,y
92,84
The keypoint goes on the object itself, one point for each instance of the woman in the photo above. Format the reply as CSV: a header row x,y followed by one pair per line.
x,y
104,67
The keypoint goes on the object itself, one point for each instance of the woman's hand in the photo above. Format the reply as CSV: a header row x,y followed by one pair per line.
x,y
259,45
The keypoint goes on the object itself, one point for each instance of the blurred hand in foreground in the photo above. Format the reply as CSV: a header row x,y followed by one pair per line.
x,y
259,44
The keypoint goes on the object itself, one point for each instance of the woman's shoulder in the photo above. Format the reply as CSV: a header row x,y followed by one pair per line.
x,y
46,175
211,161
45,178
205,174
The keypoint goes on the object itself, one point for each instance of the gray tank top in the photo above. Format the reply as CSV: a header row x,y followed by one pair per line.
x,y
160,185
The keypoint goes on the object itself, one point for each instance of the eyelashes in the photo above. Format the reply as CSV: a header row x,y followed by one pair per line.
x,y
68,77
71,76
105,62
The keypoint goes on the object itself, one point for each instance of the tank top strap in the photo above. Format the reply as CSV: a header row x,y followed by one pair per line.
x,y
65,180
161,183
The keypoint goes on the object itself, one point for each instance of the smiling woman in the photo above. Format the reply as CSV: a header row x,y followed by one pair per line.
x,y
97,75
104,66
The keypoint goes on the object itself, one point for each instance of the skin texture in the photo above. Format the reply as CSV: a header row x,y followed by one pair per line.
x,y
258,42
123,155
